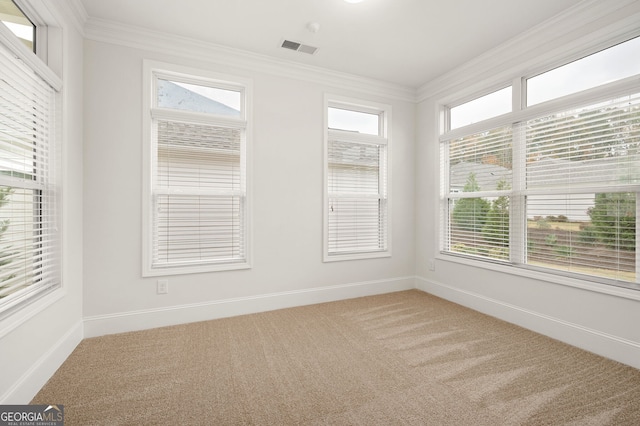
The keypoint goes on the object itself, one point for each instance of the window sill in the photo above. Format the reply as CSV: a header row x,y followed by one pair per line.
x,y
195,269
30,310
355,256
608,289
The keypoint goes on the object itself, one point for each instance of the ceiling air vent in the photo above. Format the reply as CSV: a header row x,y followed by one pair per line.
x,y
299,47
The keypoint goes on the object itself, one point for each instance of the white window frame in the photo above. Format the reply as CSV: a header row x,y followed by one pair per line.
x,y
382,139
520,114
46,63
152,70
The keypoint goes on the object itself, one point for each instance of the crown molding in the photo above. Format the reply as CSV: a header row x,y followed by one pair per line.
x,y
140,38
576,29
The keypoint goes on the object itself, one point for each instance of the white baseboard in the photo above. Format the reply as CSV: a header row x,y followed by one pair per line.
x,y
151,318
35,378
606,345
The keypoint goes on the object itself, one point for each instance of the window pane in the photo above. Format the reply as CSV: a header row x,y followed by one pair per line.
x,y
354,121
597,145
197,98
590,234
194,156
480,226
480,162
18,23
488,106
354,168
603,67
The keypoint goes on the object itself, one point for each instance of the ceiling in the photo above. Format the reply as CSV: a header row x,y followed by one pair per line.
x,y
408,42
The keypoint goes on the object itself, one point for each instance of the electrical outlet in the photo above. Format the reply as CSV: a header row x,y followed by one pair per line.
x,y
163,287
432,265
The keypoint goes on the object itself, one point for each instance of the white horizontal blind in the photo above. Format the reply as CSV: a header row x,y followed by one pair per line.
x,y
357,219
582,179
479,193
29,252
596,146
199,197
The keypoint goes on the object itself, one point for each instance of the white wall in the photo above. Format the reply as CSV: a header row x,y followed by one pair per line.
x,y
287,195
35,342
601,319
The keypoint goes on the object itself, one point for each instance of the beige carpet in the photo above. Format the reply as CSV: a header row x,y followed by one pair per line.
x,y
405,358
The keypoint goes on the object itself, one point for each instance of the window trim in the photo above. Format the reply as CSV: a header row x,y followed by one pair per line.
x,y
35,62
384,138
521,113
151,71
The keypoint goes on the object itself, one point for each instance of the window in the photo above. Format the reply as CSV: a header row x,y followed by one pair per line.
x,y
553,189
479,184
356,188
612,64
481,108
582,177
18,23
197,205
29,243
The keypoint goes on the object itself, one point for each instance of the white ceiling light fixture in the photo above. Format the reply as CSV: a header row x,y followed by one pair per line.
x,y
313,27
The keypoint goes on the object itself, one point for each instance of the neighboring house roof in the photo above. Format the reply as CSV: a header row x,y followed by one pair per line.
x,y
178,97
175,137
